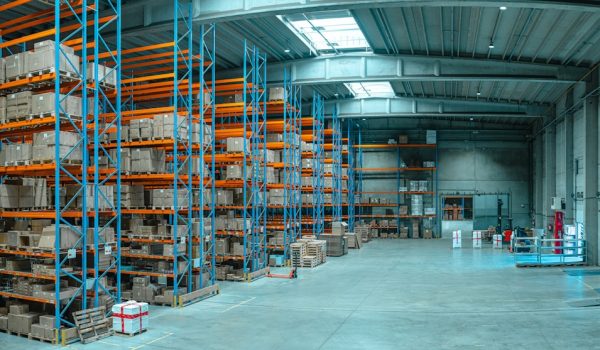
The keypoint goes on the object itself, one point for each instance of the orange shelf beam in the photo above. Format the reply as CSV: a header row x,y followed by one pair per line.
x,y
26,297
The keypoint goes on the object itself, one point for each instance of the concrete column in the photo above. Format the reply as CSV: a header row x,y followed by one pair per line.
x,y
549,186
590,201
538,181
569,163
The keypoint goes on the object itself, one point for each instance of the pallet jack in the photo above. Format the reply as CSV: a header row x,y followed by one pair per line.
x,y
293,274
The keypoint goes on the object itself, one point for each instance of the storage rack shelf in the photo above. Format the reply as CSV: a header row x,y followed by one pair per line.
x,y
244,152
369,211
64,75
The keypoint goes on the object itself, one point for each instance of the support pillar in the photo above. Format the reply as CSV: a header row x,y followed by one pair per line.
x,y
549,168
569,163
590,198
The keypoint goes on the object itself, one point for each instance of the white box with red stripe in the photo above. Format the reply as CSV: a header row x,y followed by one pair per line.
x,y
130,317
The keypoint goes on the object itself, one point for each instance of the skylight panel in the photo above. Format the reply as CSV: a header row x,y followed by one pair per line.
x,y
371,89
329,31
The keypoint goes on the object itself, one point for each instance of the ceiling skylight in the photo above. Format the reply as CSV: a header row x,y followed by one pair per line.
x,y
328,31
371,89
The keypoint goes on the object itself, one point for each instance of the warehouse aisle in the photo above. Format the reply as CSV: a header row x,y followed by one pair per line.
x,y
392,294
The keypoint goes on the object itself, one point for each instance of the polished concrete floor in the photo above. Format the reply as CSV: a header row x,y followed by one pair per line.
x,y
392,294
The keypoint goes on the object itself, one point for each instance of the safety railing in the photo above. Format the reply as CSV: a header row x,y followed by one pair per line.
x,y
535,251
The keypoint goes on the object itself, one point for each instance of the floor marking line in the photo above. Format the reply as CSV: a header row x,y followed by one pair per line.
x,y
152,341
238,304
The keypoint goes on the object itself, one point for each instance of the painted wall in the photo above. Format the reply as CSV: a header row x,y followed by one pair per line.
x,y
488,167
471,167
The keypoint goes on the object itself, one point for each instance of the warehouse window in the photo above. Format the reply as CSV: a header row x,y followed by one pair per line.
x,y
329,31
373,89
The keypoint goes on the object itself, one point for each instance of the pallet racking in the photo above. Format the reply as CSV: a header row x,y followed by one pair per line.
x,y
285,218
246,119
314,209
160,86
400,173
89,214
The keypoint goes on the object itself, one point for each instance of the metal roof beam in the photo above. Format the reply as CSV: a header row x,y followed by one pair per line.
x,y
219,10
431,107
157,14
371,67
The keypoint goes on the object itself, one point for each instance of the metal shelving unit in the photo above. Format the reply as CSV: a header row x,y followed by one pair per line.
x,y
73,26
247,119
161,83
399,173
314,211
286,217
351,182
206,156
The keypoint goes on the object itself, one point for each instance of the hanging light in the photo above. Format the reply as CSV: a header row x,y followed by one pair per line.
x,y
491,46
503,8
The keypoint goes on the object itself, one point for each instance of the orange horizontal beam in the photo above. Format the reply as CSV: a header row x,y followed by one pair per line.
x,y
48,33
13,3
28,275
136,50
32,20
148,78
146,256
26,297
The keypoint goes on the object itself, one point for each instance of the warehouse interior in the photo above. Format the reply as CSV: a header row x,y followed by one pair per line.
x,y
331,174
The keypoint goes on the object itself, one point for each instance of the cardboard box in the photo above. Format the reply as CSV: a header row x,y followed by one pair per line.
x,y
276,94
431,137
497,241
427,233
16,65
236,145
456,239
222,246
19,309
477,239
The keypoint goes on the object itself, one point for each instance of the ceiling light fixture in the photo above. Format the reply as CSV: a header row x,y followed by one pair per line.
x,y
287,50
336,94
364,118
471,119
491,46
503,8
478,93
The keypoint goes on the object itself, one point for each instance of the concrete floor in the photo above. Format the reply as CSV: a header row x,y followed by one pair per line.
x,y
392,294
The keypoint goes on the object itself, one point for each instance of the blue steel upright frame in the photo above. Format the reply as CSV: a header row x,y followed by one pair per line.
x,y
101,91
254,117
182,146
80,126
297,174
337,167
351,188
318,174
292,162
259,156
359,165
207,179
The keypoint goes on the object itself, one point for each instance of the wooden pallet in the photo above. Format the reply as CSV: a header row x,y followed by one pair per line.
x,y
92,324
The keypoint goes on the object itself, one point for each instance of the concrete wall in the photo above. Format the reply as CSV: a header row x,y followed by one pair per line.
x,y
570,135
472,167
488,167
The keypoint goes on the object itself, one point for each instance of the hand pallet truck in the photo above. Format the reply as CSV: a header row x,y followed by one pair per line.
x,y
293,274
